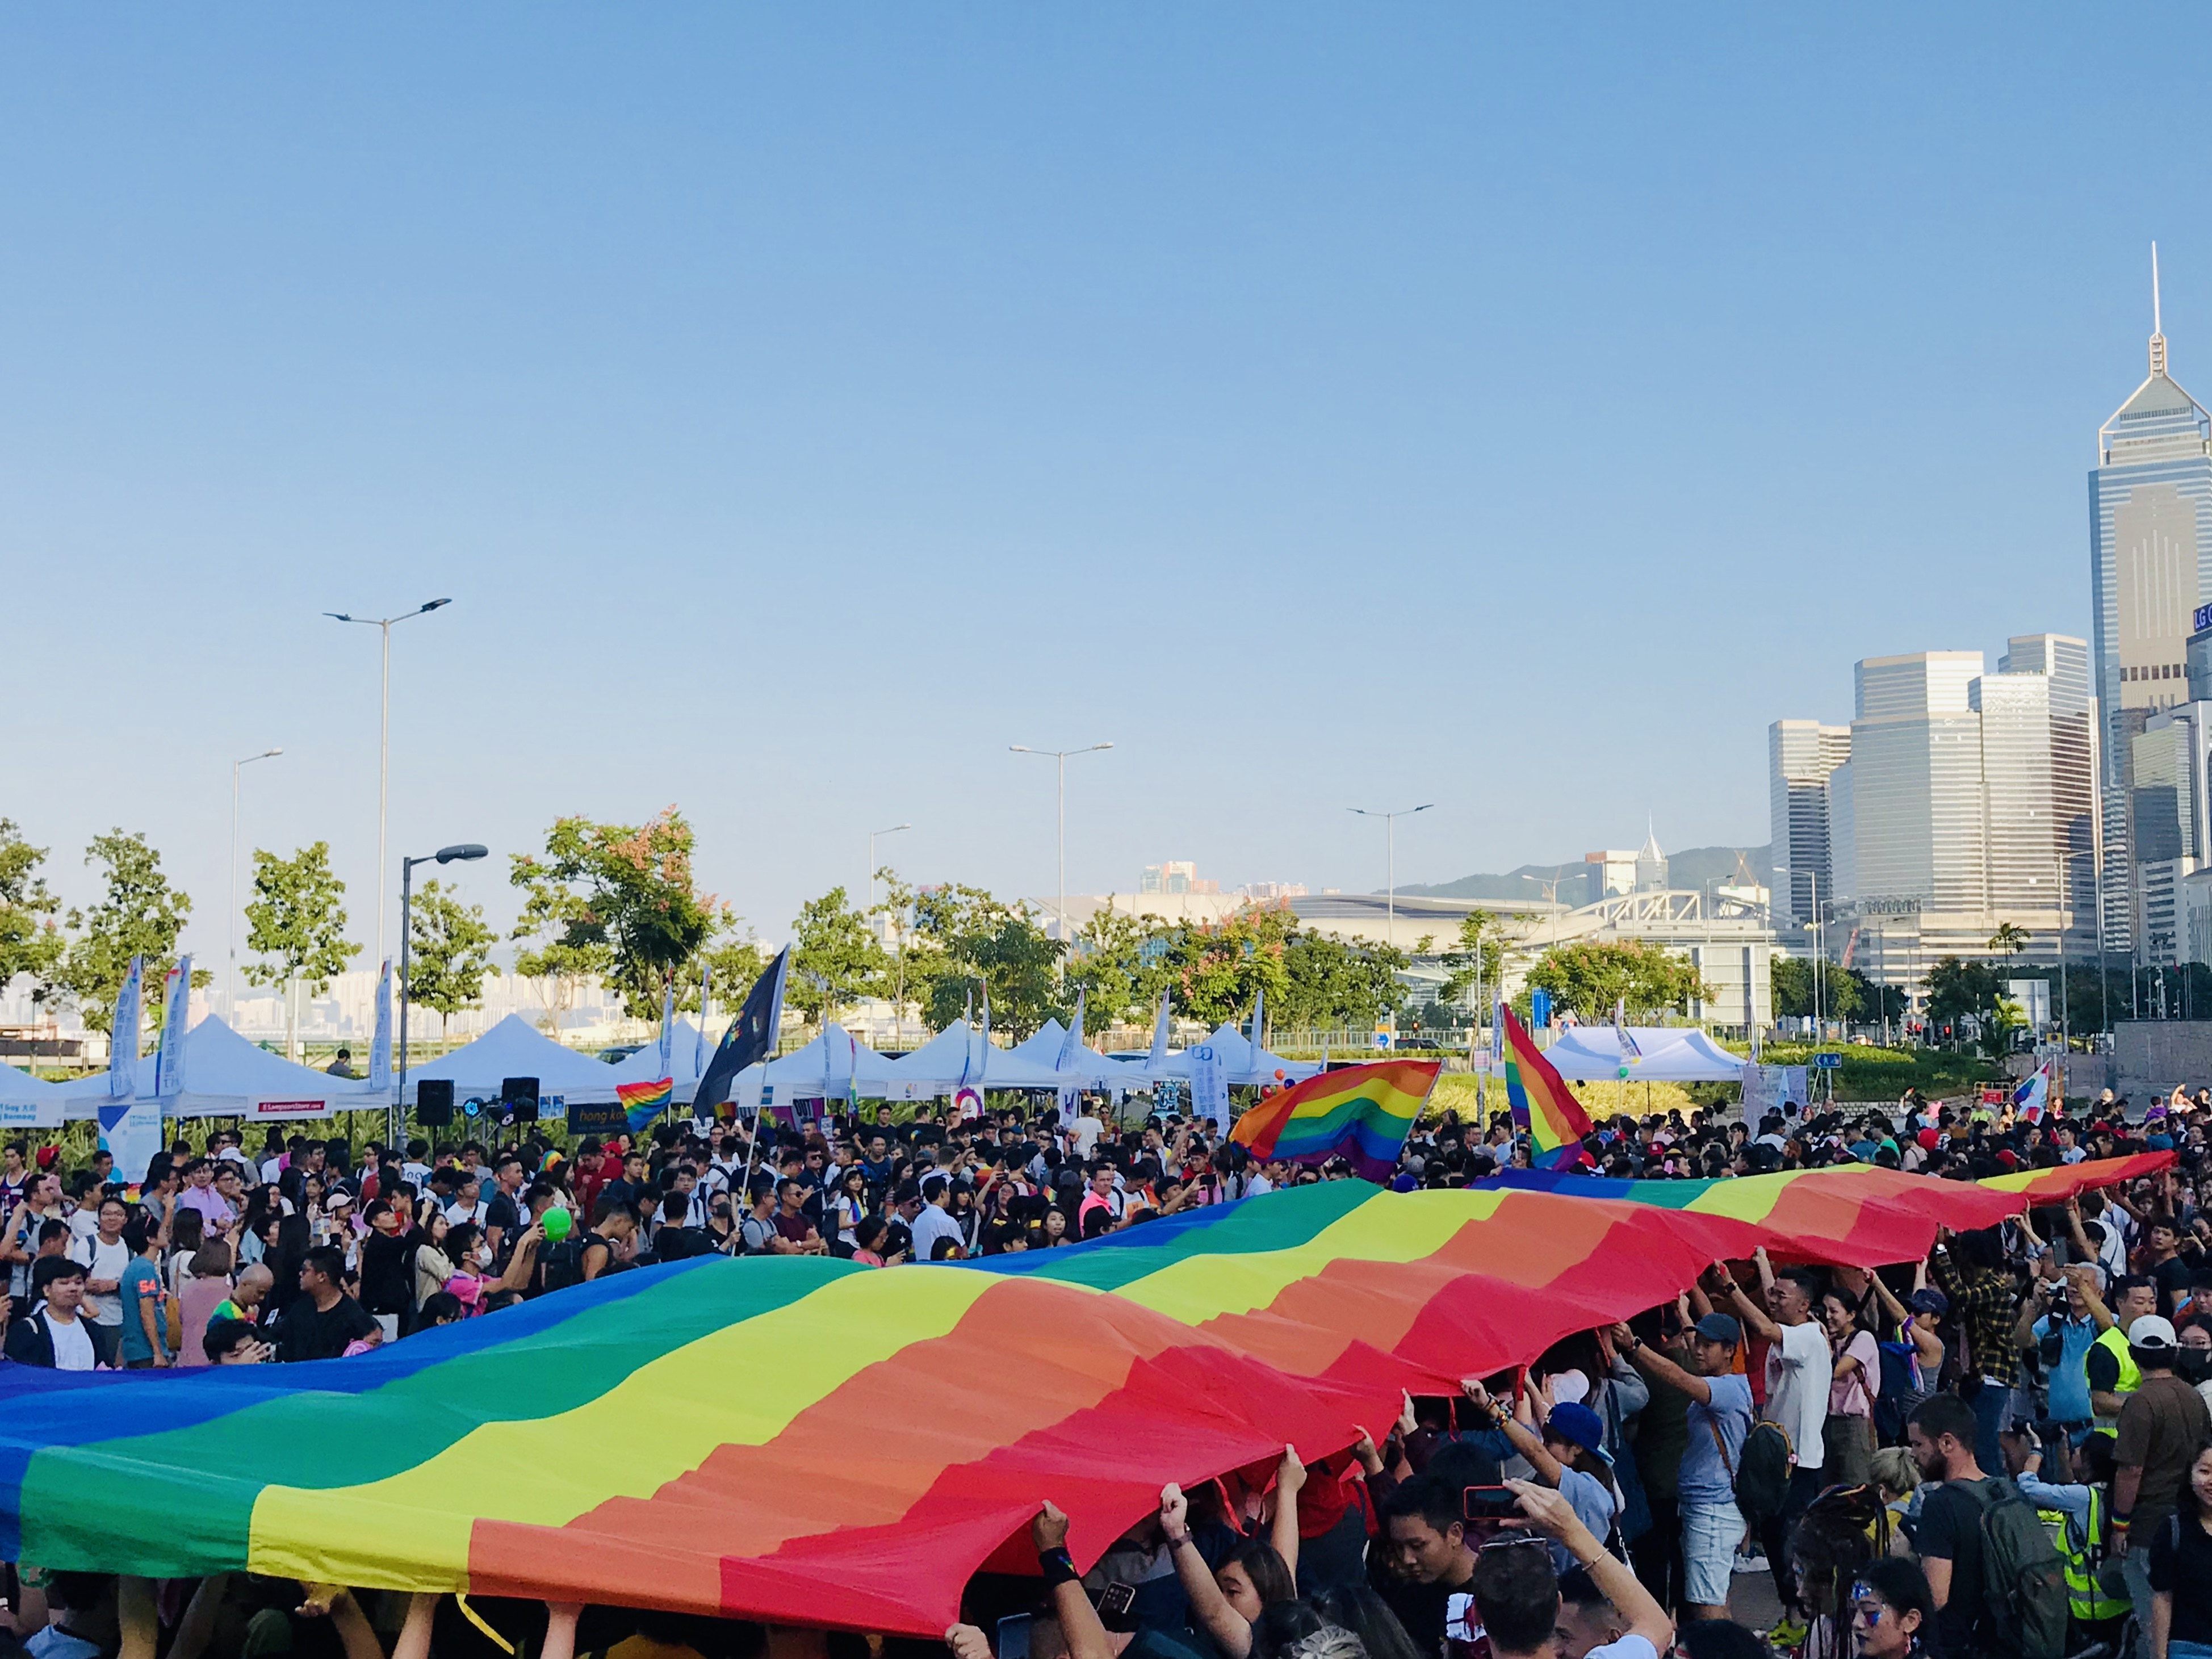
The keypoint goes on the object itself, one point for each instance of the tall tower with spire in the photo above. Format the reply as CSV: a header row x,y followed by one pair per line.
x,y
2150,566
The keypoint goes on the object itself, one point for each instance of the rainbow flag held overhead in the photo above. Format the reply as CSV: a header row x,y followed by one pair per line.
x,y
2033,1094
1196,1343
1362,1114
644,1102
1544,1108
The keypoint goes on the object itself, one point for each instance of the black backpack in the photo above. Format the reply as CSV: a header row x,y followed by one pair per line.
x,y
1760,1476
2024,1597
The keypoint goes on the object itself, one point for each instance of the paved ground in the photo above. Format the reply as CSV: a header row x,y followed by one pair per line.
x,y
1752,1598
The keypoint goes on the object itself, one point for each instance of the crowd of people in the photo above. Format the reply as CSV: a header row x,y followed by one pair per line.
x,y
2004,1449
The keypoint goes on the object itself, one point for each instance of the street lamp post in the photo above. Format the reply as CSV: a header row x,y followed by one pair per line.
x,y
466,853
873,834
1390,843
230,975
1060,756
383,625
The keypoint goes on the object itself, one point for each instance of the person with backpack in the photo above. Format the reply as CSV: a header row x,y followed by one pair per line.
x,y
2079,1510
2161,1426
1998,1584
1719,1417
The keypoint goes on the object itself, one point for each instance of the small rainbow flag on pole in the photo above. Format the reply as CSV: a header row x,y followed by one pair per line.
x,y
644,1102
1362,1114
1543,1107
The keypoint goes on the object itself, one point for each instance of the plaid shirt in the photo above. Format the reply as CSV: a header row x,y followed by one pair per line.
x,y
1985,1305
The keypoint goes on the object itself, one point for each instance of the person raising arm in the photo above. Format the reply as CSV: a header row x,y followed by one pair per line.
x,y
1517,1593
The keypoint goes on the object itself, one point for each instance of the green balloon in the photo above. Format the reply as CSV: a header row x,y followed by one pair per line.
x,y
557,1223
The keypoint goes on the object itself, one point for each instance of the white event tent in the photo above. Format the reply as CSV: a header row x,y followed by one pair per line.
x,y
687,1060
822,1070
1241,1063
1087,1067
959,1054
1668,1054
29,1103
515,1048
227,1076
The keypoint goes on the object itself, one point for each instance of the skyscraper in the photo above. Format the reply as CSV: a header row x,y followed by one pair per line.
x,y
1919,819
1800,755
2064,660
2150,563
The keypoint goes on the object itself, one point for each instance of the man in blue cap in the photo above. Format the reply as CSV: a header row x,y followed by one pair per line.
x,y
1719,1417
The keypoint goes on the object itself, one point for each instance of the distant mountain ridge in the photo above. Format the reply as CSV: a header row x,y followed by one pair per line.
x,y
1693,866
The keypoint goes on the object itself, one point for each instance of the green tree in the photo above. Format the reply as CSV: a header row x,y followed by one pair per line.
x,y
1958,990
1792,980
139,913
735,959
1476,957
2010,939
296,921
968,943
835,959
1219,968
449,952
1589,977
1330,984
616,900
31,944
1120,965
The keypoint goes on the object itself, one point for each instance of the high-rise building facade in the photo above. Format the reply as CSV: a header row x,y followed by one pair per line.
x,y
2022,852
1801,755
2063,661
1953,815
2150,566
1918,817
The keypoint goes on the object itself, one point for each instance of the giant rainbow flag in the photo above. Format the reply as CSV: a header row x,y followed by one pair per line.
x,y
1544,1108
1362,1114
685,1436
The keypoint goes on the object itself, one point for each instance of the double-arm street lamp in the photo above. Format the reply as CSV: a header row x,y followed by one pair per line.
x,y
467,851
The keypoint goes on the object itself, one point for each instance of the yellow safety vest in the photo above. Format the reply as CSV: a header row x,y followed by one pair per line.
x,y
2130,1376
2094,1591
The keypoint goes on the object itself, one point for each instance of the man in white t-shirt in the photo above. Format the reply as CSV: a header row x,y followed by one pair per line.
x,y
1800,1372
1084,1132
104,1257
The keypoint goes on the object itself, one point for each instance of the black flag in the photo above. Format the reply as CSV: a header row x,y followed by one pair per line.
x,y
751,1037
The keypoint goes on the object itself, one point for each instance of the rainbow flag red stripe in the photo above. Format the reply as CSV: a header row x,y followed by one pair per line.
x,y
1362,1114
1544,1108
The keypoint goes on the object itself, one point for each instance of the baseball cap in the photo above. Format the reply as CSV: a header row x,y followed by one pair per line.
x,y
1577,1424
2152,1331
1719,1328
1928,1299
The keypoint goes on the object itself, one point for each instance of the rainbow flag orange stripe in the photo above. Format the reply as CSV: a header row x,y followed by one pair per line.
x,y
644,1102
1362,1114
1543,1107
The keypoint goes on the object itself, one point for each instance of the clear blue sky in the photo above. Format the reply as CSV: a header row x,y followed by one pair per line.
x,y
1330,407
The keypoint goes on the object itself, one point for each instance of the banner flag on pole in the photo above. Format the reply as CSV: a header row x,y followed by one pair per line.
x,y
122,1035
176,1015
750,1038
379,1048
